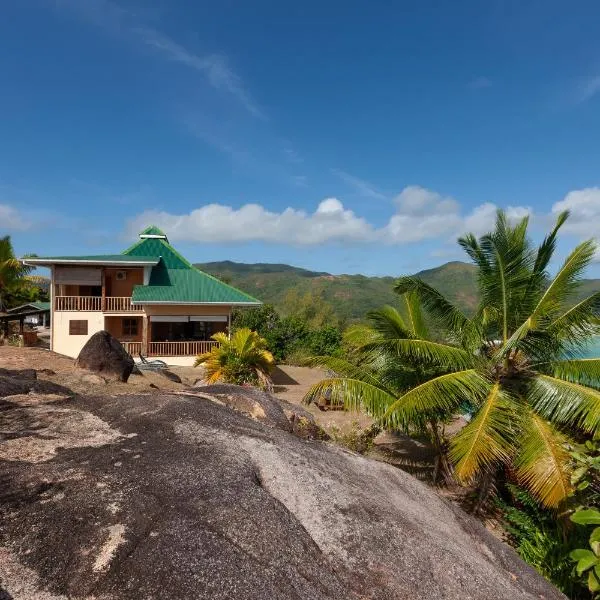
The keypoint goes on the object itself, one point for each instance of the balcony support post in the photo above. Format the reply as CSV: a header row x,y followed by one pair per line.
x,y
145,336
103,307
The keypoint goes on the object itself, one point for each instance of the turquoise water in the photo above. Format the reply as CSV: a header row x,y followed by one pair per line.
x,y
593,349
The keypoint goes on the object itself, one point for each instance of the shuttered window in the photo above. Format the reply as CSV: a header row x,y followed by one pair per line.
x,y
78,327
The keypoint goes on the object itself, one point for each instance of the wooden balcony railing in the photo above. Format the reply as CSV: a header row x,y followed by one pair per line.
x,y
179,348
87,303
93,303
117,304
133,348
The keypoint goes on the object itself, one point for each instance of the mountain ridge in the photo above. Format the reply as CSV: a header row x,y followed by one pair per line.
x,y
351,295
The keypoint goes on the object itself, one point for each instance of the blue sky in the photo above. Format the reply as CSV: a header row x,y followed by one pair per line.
x,y
341,136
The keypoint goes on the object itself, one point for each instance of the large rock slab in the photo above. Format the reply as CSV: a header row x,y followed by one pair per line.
x,y
182,497
104,354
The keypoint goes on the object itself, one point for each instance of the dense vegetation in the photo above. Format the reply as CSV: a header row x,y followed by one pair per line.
x,y
16,286
352,296
291,338
513,368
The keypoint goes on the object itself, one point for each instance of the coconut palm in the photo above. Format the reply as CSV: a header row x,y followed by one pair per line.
x,y
12,271
242,359
515,365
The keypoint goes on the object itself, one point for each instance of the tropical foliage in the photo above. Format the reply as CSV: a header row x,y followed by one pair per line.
x,y
13,284
291,334
514,367
243,359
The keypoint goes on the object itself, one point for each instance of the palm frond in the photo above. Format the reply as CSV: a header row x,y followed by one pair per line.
x,y
344,368
547,247
585,371
564,283
487,439
353,394
440,309
543,461
388,323
442,394
579,322
416,318
566,402
423,352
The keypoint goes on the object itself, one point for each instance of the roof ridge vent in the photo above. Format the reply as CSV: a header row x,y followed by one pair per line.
x,y
153,233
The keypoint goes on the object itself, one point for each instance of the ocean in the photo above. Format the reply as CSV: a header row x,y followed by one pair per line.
x,y
593,350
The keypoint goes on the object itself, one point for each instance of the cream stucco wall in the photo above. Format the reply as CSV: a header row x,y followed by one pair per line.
x,y
71,345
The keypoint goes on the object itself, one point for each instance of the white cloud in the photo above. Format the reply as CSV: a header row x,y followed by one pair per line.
x,y
364,188
128,25
587,89
584,208
11,220
420,215
213,66
252,222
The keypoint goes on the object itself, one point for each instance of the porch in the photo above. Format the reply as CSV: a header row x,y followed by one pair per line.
x,y
166,336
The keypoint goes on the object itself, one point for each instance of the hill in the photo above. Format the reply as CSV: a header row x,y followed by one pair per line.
x,y
351,296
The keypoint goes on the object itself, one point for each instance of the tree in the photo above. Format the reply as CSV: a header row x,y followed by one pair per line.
x,y
515,366
12,272
242,359
309,307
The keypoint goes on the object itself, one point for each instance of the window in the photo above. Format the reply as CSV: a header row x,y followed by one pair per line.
x,y
79,327
130,326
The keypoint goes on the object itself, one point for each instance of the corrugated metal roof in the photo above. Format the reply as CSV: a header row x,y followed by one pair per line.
x,y
175,279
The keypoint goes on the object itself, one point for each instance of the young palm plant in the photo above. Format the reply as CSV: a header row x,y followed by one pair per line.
x,y
242,359
515,365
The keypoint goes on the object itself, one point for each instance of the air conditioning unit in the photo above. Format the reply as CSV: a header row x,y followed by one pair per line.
x,y
121,275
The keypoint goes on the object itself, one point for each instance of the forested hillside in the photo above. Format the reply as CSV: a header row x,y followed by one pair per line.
x,y
351,296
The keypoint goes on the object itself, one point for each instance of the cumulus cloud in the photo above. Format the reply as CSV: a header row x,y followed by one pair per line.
x,y
584,220
252,222
11,220
584,206
420,214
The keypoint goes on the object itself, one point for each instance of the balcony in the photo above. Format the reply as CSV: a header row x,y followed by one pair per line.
x,y
112,304
191,348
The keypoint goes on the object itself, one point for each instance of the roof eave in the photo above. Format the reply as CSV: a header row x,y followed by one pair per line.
x,y
139,302
43,262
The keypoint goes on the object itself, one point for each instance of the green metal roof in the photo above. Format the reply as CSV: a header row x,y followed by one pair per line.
x,y
175,280
34,305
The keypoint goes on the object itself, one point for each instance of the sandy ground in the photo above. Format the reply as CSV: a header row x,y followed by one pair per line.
x,y
291,383
61,370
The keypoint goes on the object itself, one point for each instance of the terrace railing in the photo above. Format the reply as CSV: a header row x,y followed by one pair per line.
x,y
180,348
96,303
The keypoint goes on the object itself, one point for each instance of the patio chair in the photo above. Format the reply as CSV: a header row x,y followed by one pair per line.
x,y
151,365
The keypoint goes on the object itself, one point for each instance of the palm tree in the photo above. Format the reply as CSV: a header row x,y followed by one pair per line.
x,y
12,270
515,365
242,359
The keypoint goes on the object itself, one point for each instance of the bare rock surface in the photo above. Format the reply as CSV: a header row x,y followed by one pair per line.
x,y
182,497
104,354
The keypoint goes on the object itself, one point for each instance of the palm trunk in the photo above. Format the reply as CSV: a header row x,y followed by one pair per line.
x,y
486,487
442,464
